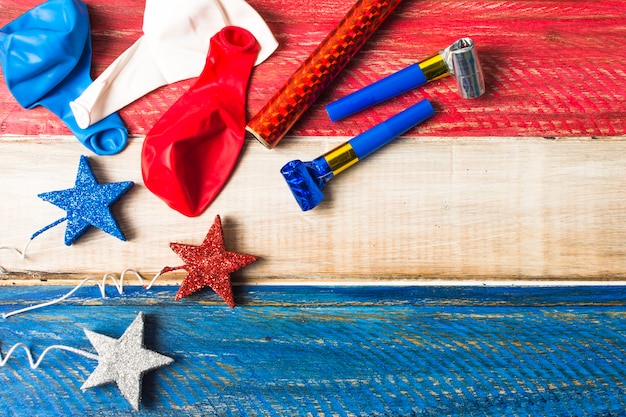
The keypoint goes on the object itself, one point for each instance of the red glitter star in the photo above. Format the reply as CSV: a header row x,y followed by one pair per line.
x,y
209,265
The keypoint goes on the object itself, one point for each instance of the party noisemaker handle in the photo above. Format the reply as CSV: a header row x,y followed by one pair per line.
x,y
378,136
321,67
306,180
404,80
368,142
459,60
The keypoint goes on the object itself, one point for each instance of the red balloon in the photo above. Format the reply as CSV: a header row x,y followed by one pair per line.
x,y
189,154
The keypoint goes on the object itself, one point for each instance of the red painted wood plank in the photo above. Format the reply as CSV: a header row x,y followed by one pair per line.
x,y
550,67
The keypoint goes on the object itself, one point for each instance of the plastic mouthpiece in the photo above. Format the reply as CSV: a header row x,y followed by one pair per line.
x,y
395,84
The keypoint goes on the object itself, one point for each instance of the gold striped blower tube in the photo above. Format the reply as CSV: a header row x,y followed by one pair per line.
x,y
308,82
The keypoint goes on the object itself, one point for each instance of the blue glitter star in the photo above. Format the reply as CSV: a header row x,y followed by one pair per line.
x,y
87,204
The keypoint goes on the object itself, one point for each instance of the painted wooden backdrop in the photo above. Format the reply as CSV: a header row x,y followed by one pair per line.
x,y
333,351
521,186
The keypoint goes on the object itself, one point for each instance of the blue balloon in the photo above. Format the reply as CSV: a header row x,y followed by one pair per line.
x,y
45,56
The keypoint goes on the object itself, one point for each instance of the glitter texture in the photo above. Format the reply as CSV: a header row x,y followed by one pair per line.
x,y
209,265
316,73
124,361
88,203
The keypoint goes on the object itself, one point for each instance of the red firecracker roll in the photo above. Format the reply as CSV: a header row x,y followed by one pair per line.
x,y
319,70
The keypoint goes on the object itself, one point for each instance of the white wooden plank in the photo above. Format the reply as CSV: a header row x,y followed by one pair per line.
x,y
420,209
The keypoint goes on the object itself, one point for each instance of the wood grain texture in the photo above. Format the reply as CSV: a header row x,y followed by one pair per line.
x,y
523,185
427,209
468,195
551,67
334,352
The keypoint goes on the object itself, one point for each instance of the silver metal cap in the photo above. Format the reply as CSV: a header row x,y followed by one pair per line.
x,y
463,63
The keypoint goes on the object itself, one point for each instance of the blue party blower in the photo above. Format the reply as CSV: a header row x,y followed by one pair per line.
x,y
459,60
307,179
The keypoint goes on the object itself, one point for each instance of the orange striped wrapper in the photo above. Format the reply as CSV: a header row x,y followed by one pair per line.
x,y
321,67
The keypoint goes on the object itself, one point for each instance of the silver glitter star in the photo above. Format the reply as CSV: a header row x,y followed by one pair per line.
x,y
124,361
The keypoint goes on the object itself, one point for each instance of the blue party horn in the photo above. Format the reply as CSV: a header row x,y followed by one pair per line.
x,y
459,60
307,179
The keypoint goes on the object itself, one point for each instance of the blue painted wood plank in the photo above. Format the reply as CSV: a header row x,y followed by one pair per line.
x,y
352,351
